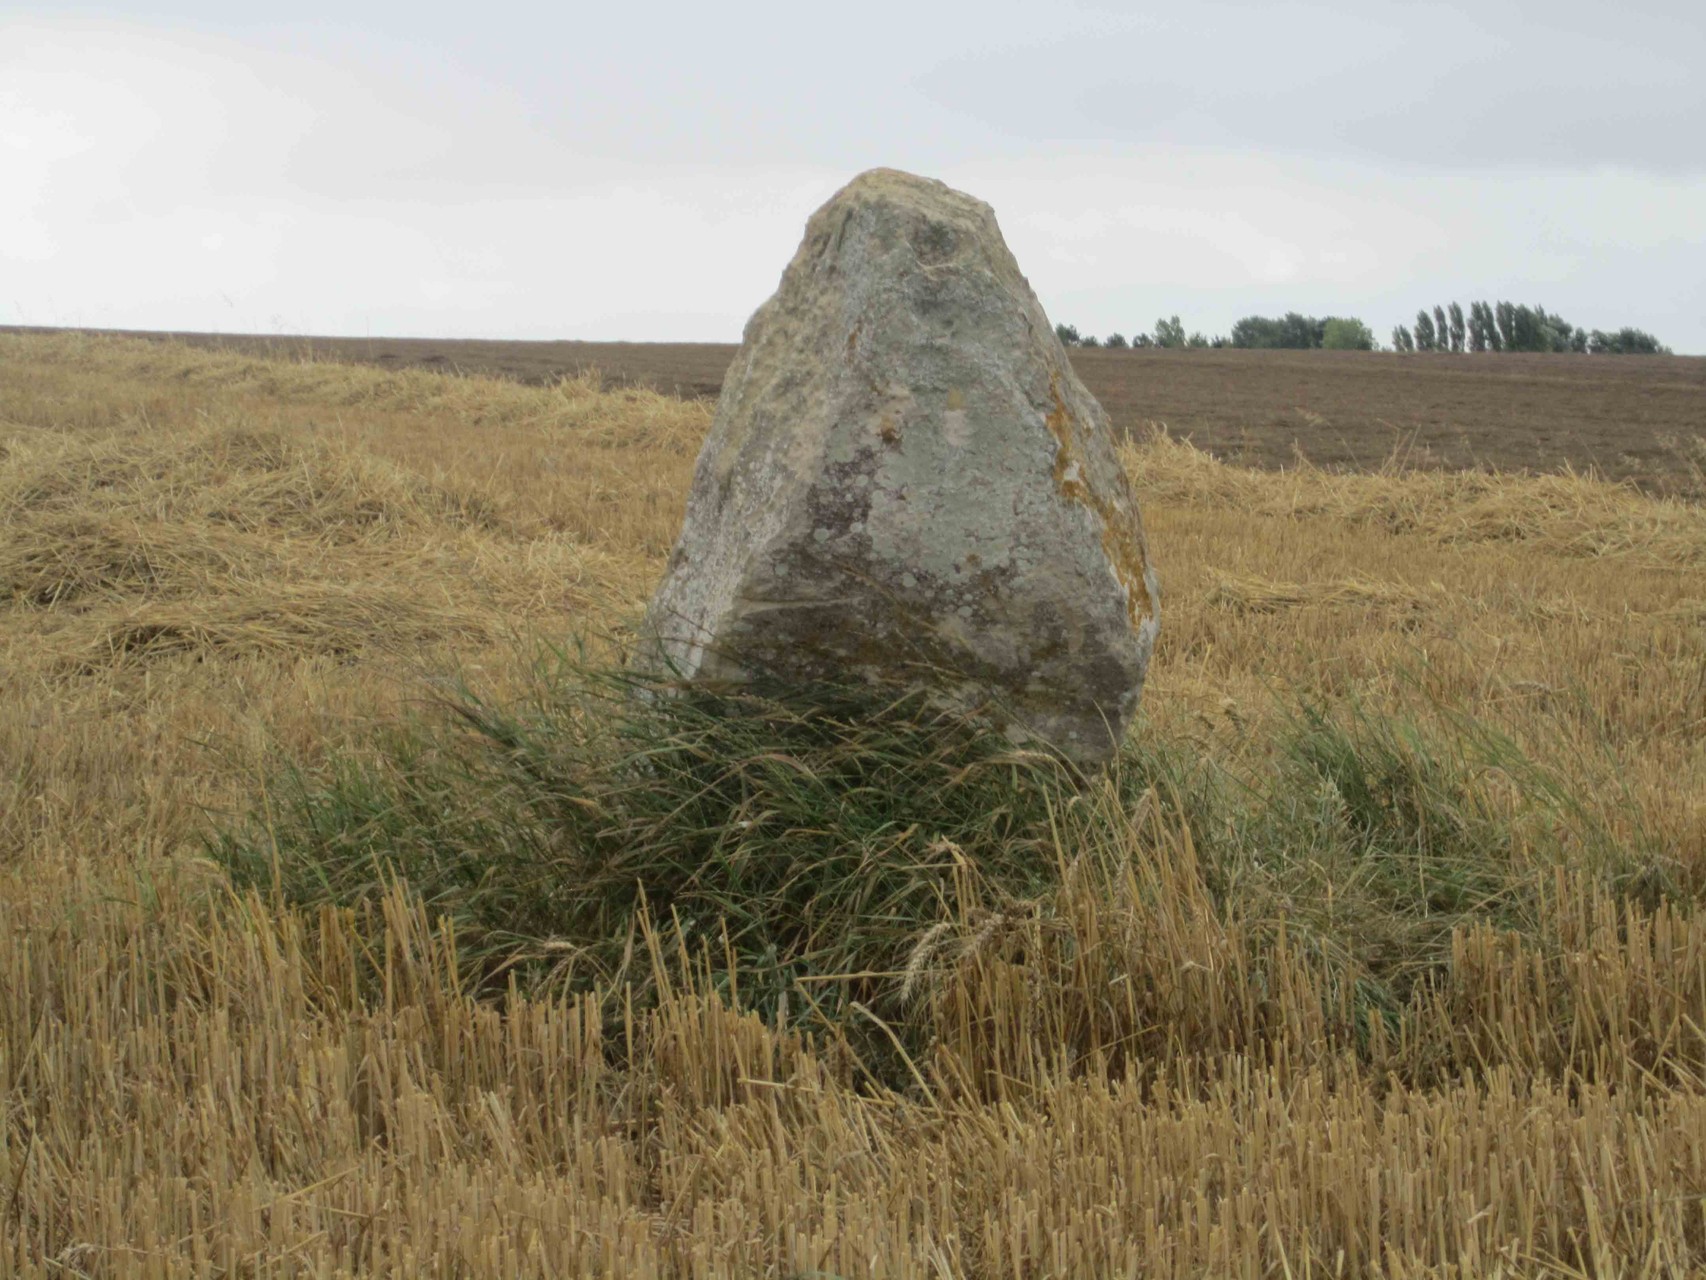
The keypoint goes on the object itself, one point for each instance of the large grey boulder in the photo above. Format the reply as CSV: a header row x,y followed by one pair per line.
x,y
905,481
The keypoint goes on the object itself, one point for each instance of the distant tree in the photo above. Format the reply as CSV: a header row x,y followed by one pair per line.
x,y
1350,334
1115,340
1425,340
1258,333
1255,332
1504,316
1458,329
1401,339
1525,334
1169,333
1219,340
1089,340
1579,340
1626,342
1068,334
1524,328
1197,340
1442,331
1292,331
1141,340
1555,331
1480,323
1532,329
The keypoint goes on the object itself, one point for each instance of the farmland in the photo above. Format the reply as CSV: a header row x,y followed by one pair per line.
x,y
1637,418
1382,952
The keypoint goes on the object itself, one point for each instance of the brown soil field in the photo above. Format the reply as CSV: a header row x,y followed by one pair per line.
x,y
1635,418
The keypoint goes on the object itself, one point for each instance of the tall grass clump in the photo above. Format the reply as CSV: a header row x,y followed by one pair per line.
x,y
1405,822
1397,833
804,840
1306,903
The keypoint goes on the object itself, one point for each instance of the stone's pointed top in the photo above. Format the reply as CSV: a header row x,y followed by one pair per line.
x,y
907,483
896,181
896,186
873,236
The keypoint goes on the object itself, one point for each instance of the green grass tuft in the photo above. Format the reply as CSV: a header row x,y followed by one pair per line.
x,y
816,836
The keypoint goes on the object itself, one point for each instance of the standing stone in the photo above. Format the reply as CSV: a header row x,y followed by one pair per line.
x,y
905,481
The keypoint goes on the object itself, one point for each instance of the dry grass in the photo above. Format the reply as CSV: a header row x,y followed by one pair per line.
x,y
208,562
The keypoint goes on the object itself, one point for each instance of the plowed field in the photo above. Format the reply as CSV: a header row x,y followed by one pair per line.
x,y
1628,417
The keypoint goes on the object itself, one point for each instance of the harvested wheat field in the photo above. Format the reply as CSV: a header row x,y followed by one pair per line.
x,y
356,918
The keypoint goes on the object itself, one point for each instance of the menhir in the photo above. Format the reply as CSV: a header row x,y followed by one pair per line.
x,y
906,482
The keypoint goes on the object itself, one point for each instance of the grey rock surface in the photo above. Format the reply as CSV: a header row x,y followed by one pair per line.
x,y
905,481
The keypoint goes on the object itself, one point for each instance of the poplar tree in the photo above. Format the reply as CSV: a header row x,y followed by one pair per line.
x,y
1495,341
1504,313
1425,340
1478,326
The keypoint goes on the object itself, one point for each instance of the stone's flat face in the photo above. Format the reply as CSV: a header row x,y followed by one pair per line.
x,y
906,481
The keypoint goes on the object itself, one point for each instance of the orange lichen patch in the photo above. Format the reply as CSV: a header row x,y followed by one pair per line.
x,y
888,430
1122,526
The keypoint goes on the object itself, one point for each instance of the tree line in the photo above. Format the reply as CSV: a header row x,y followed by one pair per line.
x,y
1505,326
1168,333
1501,326
1332,333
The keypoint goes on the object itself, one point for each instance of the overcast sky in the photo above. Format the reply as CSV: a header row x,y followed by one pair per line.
x,y
644,170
